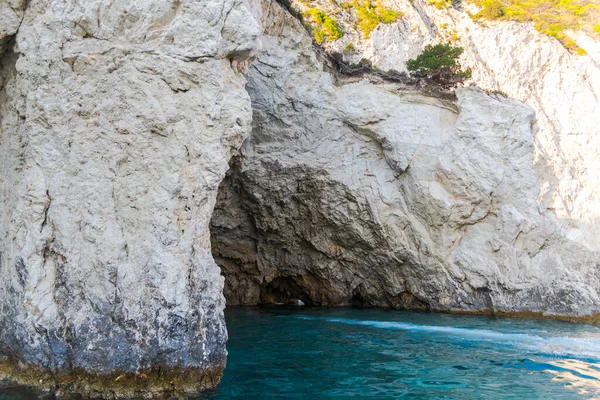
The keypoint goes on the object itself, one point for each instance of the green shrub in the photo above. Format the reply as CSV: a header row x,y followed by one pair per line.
x,y
333,29
440,4
492,9
319,35
324,25
439,63
369,16
387,15
349,48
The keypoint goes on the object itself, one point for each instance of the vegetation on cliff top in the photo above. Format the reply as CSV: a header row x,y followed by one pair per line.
x,y
440,4
324,26
369,16
440,64
552,17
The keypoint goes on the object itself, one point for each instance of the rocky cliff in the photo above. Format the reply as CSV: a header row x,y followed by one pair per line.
x,y
356,192
117,124
118,120
562,86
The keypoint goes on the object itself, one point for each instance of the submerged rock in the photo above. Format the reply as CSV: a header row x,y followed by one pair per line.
x,y
118,122
354,193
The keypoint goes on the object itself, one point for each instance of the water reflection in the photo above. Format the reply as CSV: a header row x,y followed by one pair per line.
x,y
316,353
582,376
341,354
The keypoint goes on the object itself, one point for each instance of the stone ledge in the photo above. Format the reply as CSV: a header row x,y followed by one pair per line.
x,y
147,383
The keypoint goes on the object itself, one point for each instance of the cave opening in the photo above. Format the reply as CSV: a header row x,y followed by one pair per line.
x,y
276,243
256,260
285,290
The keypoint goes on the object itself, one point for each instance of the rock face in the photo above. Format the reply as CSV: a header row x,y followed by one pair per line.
x,y
562,88
356,193
118,121
11,14
117,124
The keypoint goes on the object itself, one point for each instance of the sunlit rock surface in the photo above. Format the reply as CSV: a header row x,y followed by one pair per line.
x,y
356,193
117,124
11,15
118,120
563,89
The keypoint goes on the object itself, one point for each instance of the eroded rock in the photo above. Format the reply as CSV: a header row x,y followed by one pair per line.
x,y
360,194
562,86
118,122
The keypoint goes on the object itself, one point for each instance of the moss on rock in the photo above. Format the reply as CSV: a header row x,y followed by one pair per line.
x,y
150,382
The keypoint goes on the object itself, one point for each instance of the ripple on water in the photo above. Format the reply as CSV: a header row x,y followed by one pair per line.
x,y
340,354
386,354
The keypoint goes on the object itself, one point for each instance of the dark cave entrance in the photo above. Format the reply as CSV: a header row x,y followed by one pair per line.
x,y
236,248
272,261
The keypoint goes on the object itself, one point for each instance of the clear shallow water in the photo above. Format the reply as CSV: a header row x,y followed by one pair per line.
x,y
305,353
9,391
311,353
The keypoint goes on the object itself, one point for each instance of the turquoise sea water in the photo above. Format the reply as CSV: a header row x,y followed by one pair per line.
x,y
308,353
311,353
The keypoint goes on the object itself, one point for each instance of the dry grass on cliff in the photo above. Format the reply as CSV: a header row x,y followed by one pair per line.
x,y
363,14
552,17
323,25
370,16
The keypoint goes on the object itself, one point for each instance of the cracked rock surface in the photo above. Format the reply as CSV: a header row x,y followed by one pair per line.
x,y
118,120
118,123
11,15
359,194
562,87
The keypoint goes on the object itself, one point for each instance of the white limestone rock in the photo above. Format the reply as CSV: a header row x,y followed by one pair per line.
x,y
514,58
357,193
118,122
11,14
